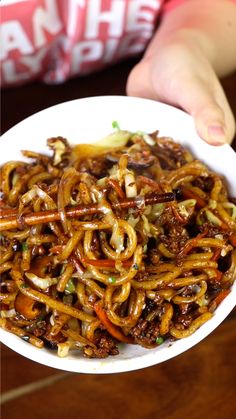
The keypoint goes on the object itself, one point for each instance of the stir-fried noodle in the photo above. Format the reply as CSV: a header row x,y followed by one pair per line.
x,y
103,244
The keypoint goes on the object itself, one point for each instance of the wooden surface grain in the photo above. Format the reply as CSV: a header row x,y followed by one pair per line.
x,y
201,383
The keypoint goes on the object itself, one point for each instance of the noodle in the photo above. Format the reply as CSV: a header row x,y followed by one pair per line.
x,y
102,244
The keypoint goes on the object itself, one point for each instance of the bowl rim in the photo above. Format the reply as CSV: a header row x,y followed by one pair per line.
x,y
147,357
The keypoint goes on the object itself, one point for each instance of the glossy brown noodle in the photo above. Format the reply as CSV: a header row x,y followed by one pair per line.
x,y
134,243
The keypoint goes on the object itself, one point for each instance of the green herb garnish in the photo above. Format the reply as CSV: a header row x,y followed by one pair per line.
x,y
24,285
70,287
135,266
111,280
115,125
24,246
159,340
68,299
41,318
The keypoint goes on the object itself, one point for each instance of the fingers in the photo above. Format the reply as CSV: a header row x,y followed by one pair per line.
x,y
204,99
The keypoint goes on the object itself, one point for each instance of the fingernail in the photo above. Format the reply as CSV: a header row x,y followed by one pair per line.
x,y
216,134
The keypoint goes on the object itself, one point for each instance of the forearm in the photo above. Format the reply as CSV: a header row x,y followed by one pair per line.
x,y
194,25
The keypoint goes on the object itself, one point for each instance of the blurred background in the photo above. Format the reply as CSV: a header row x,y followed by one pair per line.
x,y
199,383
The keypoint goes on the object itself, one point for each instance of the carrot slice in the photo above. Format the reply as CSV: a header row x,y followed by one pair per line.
x,y
111,328
219,275
191,243
56,250
150,182
177,215
232,239
115,185
187,193
220,297
216,254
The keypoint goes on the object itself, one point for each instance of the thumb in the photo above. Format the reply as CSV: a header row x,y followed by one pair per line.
x,y
210,122
213,117
208,105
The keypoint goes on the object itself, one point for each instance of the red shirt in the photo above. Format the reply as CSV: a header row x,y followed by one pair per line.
x,y
53,40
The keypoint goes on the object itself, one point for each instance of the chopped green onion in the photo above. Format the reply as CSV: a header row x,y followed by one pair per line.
x,y
145,248
24,246
159,340
135,266
68,299
112,280
24,285
40,320
115,125
70,287
231,206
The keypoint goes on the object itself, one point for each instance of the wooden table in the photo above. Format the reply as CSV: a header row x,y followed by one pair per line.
x,y
199,384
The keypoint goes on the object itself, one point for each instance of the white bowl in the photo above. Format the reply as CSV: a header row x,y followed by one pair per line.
x,y
88,120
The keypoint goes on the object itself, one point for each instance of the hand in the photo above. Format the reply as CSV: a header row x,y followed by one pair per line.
x,y
180,75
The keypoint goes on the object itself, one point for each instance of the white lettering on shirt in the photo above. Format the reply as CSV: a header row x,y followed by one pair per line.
x,y
10,75
85,51
73,6
113,17
46,19
32,65
13,37
63,38
139,19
